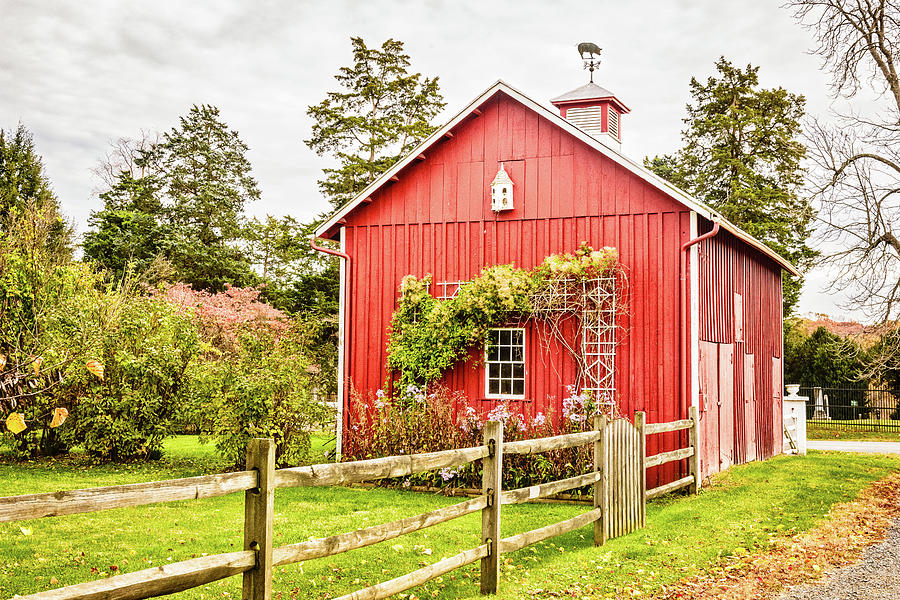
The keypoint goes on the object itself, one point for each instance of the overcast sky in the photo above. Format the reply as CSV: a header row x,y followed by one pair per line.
x,y
81,73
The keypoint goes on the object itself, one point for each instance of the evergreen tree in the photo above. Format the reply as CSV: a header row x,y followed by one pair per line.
x,y
381,114
822,358
742,156
25,189
184,201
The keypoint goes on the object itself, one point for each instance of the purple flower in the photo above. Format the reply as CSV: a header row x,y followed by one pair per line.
x,y
539,420
499,413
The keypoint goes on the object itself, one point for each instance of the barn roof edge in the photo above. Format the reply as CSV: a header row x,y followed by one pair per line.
x,y
666,187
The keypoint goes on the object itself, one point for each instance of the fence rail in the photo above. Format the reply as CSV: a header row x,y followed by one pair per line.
x,y
618,477
693,479
55,504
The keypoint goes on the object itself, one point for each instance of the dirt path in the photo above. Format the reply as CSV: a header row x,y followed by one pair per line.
x,y
875,577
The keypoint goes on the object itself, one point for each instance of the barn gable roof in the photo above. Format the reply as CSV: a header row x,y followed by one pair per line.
x,y
500,86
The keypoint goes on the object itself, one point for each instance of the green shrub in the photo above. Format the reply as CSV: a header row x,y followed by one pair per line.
x,y
146,353
260,389
146,346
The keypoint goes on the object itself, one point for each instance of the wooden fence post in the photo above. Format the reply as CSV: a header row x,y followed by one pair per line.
x,y
640,418
259,506
599,485
491,482
694,460
603,498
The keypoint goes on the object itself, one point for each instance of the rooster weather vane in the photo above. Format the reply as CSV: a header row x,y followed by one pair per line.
x,y
593,59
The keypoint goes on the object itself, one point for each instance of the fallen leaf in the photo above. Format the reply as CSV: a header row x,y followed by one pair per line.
x,y
25,530
37,365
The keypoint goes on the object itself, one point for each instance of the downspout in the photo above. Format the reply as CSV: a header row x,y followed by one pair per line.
x,y
342,342
338,253
685,342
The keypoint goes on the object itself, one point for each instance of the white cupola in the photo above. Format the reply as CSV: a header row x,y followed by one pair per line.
x,y
594,110
501,191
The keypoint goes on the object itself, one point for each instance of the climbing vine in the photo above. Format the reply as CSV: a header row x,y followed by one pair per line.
x,y
428,336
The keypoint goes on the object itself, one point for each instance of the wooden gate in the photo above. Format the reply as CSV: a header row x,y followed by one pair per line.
x,y
623,460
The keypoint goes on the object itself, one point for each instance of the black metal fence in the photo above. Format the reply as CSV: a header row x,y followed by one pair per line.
x,y
852,409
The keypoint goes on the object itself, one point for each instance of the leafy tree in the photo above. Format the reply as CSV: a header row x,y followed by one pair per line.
x,y
822,358
25,188
181,197
856,159
313,297
742,156
381,114
278,248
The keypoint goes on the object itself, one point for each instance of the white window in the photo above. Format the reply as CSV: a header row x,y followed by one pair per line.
x,y
505,364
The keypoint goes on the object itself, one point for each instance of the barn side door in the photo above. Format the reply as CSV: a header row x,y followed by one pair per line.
x,y
750,406
709,408
726,406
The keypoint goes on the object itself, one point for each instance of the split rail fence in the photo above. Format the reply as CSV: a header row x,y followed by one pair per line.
x,y
618,477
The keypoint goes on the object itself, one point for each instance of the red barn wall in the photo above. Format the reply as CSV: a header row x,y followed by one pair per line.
x,y
436,219
740,353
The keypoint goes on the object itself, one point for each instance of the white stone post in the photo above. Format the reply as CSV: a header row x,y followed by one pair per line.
x,y
794,421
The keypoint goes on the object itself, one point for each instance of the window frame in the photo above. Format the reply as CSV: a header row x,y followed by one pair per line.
x,y
488,363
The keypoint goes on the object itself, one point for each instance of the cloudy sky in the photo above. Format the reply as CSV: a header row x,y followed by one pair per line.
x,y
81,74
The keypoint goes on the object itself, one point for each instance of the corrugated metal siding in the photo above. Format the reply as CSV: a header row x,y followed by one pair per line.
x,y
729,267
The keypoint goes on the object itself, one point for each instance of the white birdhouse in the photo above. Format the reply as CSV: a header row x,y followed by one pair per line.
x,y
501,191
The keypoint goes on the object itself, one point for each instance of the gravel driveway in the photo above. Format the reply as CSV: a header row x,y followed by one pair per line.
x,y
875,577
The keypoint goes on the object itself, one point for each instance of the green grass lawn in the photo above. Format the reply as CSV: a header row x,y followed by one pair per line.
x,y
742,511
815,431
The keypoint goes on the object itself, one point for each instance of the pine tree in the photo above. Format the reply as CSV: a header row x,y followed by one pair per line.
x,y
742,156
25,192
381,114
183,200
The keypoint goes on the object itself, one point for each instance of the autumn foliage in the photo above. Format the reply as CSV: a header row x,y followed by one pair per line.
x,y
224,316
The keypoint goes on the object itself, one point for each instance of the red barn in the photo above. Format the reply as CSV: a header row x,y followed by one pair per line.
x,y
704,320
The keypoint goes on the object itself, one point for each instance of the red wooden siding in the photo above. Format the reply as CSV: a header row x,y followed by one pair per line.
x,y
437,220
740,315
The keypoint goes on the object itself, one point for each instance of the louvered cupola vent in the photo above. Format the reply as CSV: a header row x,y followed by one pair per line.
x,y
594,110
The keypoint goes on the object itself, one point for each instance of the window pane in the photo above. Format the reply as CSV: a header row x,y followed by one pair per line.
x,y
505,371
519,371
494,386
518,354
493,353
493,371
517,337
504,337
506,386
519,387
505,353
